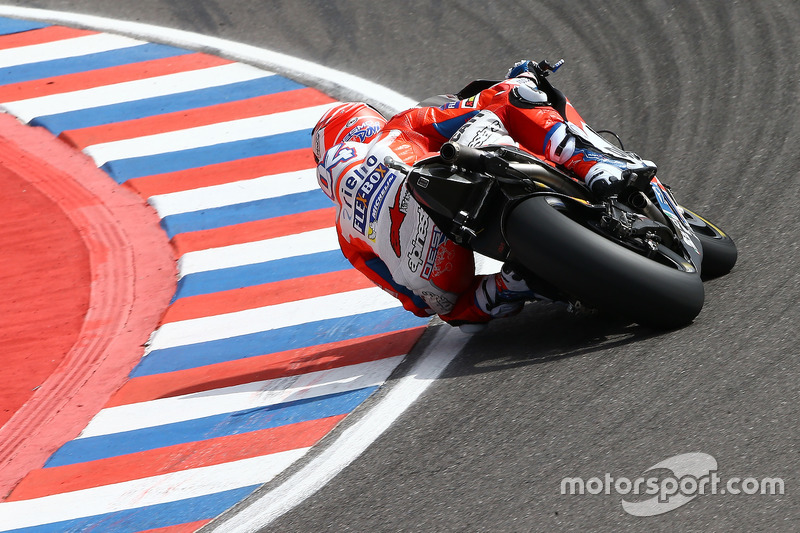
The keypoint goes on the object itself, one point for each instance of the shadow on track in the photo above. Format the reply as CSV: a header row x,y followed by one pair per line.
x,y
543,333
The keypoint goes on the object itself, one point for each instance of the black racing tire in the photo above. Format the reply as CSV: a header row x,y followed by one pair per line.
x,y
600,272
719,250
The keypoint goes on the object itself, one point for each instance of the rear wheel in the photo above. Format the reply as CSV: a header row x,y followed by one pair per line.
x,y
599,272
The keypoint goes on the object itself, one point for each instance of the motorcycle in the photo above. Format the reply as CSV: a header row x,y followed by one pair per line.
x,y
637,253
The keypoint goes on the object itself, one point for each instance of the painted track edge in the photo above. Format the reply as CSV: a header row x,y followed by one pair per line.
x,y
341,85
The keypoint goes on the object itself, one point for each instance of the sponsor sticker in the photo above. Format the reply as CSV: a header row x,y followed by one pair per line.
x,y
437,238
417,252
370,196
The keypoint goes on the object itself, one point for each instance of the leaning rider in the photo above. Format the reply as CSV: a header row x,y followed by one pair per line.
x,y
385,233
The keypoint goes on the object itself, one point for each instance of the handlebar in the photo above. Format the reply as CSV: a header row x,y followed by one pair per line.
x,y
544,67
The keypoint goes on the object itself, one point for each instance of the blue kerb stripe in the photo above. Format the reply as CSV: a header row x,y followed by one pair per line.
x,y
276,340
151,517
161,105
246,212
210,427
136,167
9,26
72,65
227,279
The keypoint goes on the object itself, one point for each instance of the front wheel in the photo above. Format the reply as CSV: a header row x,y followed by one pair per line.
x,y
719,250
599,272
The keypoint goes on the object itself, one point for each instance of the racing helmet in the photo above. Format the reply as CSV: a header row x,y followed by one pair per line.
x,y
347,122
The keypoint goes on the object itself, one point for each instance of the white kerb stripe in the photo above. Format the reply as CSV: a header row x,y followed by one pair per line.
x,y
208,135
130,91
145,492
306,243
77,46
240,398
225,326
237,192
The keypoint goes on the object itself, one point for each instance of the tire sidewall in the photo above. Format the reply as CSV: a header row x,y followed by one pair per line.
x,y
598,271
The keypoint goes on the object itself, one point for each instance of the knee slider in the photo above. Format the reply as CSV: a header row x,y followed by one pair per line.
x,y
560,145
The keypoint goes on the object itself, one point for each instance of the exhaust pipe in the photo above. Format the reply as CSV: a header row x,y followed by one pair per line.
x,y
638,200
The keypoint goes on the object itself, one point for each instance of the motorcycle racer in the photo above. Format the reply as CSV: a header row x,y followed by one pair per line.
x,y
387,236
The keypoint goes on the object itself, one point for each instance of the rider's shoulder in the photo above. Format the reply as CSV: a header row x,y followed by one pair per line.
x,y
525,93
341,152
344,156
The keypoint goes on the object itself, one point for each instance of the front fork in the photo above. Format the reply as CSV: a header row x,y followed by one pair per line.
x,y
664,223
666,201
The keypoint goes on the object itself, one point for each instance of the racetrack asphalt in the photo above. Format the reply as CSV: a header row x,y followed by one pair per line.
x,y
706,90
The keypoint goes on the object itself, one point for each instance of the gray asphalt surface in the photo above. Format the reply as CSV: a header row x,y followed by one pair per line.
x,y
708,90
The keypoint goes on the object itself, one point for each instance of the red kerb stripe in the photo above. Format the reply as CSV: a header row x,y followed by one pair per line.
x,y
202,116
241,169
180,528
108,76
80,476
41,36
257,230
279,292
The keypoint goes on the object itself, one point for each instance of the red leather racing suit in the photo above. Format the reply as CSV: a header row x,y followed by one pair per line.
x,y
386,235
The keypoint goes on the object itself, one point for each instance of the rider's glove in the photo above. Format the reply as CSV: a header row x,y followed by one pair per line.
x,y
519,68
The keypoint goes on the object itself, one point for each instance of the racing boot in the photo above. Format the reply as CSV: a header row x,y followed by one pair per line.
x,y
505,293
604,174
604,181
